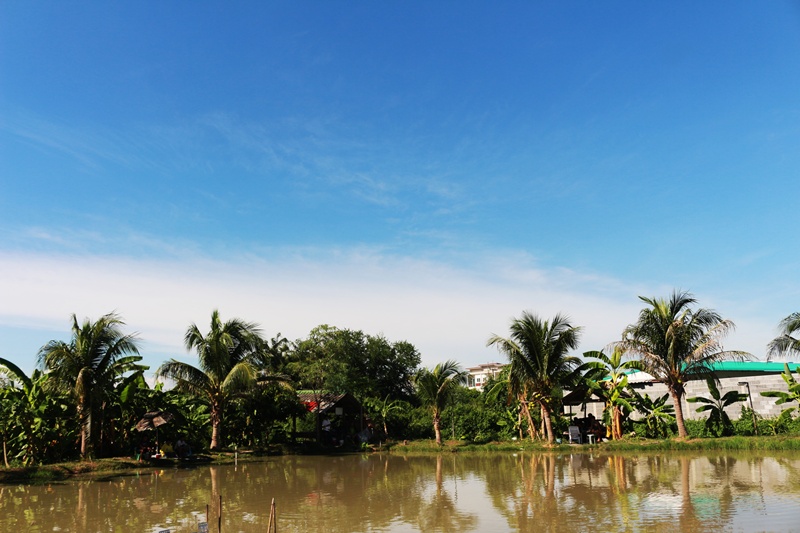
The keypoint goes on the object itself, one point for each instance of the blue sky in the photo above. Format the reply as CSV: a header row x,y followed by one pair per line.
x,y
422,170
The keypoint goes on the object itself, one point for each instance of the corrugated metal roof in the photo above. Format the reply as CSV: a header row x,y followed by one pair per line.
x,y
752,367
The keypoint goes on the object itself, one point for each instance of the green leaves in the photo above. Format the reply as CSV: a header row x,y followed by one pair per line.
x,y
540,362
435,387
228,354
675,342
793,395
90,366
658,415
788,340
718,423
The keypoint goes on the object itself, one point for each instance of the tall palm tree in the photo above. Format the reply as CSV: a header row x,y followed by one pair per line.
x,y
435,389
785,343
540,365
90,365
227,355
676,343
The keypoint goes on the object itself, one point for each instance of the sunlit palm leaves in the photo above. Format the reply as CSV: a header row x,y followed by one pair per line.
x,y
435,387
226,355
540,362
676,343
90,365
788,340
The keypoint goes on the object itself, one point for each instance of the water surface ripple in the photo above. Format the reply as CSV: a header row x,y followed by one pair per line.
x,y
497,492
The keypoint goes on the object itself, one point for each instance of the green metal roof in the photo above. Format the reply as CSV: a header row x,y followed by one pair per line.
x,y
774,367
752,366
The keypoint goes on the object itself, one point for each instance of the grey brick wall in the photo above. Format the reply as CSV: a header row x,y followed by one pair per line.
x,y
763,406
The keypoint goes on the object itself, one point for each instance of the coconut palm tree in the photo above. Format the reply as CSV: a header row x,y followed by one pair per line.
x,y
788,340
90,365
676,343
227,355
435,389
540,365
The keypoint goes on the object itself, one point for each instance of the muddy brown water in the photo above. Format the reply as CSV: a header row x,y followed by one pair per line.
x,y
497,492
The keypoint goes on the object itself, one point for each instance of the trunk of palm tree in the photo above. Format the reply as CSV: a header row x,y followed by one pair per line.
x,y
216,422
5,453
529,418
86,431
676,399
548,425
436,430
103,435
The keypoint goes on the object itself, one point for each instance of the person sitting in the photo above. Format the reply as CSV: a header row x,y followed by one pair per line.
x,y
182,449
167,450
595,428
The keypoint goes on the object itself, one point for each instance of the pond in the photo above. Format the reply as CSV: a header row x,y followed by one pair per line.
x,y
497,492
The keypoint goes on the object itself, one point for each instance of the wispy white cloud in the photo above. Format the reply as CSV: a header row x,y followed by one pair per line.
x,y
447,310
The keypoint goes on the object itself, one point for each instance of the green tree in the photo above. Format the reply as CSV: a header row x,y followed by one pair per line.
x,y
676,343
505,406
35,418
788,340
227,355
718,422
343,360
90,365
381,410
436,387
608,380
540,365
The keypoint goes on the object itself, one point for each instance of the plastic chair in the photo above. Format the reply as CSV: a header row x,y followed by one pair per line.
x,y
575,434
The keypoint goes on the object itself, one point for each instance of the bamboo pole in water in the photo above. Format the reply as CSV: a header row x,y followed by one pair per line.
x,y
272,526
219,520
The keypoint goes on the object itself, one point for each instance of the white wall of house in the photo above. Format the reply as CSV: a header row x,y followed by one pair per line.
x,y
478,375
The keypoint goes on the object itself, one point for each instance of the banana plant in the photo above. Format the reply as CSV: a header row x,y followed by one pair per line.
x,y
786,397
608,380
34,420
658,415
718,422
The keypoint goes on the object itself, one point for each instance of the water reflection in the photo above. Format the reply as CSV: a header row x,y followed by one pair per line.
x,y
460,492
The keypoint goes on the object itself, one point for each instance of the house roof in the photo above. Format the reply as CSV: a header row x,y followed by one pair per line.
x,y
327,400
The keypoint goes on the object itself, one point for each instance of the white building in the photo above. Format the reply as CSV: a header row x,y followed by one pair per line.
x,y
479,375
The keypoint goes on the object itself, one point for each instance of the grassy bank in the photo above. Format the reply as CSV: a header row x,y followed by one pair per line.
x,y
772,443
100,468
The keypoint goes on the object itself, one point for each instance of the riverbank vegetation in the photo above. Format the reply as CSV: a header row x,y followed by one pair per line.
x,y
88,397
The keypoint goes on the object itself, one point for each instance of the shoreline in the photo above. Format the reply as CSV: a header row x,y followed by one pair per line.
x,y
110,467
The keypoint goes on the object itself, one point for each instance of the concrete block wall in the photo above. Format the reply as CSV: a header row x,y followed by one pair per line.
x,y
762,405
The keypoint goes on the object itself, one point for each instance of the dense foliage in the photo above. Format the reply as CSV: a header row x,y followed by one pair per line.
x,y
87,395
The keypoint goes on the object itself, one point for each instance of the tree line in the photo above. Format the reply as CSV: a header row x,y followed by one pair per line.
x,y
86,394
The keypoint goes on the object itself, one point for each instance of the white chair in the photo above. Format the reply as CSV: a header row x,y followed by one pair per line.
x,y
575,435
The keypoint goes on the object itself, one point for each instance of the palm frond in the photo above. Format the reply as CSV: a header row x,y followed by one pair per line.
x,y
788,340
